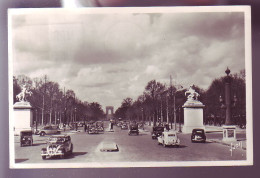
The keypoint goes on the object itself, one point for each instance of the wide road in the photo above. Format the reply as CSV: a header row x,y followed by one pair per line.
x,y
141,148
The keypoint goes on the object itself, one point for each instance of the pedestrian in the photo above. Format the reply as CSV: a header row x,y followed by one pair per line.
x,y
76,126
111,126
85,127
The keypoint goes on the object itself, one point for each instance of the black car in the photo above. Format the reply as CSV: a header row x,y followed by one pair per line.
x,y
133,129
26,138
157,131
198,135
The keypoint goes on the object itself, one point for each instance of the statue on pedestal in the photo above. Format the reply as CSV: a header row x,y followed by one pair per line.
x,y
193,95
22,95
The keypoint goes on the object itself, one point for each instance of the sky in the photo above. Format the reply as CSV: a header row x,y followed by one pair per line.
x,y
107,57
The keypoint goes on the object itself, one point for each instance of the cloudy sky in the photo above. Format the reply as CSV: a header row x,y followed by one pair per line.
x,y
108,57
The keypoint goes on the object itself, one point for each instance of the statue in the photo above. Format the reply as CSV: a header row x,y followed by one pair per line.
x,y
22,95
193,95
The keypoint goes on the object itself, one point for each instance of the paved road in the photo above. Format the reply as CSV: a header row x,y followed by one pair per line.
x,y
131,149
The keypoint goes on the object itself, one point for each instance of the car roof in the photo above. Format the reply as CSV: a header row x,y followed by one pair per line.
x,y
169,132
198,130
26,131
53,136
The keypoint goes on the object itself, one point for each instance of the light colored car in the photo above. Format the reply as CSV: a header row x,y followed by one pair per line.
x,y
49,130
57,145
169,138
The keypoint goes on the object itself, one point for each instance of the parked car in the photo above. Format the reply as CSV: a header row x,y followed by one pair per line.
x,y
80,124
133,129
57,145
198,135
26,138
169,138
157,131
92,129
124,126
49,130
100,126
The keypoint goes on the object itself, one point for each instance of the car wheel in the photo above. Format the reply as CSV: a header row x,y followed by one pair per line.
x,y
42,134
43,157
21,145
62,156
164,144
71,149
31,143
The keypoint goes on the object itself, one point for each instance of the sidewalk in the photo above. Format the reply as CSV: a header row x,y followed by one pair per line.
x,y
239,144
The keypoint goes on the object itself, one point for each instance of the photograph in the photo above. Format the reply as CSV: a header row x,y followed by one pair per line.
x,y
130,87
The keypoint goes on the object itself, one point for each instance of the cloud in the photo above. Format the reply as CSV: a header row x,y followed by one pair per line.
x,y
108,57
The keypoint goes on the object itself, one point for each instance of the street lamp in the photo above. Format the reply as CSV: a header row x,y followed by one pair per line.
x,y
180,119
228,103
174,106
36,120
75,117
229,131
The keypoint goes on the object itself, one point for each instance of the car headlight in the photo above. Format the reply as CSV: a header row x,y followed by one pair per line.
x,y
59,151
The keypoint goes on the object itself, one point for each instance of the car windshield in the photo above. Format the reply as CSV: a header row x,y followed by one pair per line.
x,y
27,133
158,128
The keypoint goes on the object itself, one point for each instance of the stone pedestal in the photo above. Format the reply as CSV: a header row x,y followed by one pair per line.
x,y
193,116
23,117
229,133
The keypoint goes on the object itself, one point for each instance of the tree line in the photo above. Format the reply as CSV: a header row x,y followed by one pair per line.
x,y
162,103
54,105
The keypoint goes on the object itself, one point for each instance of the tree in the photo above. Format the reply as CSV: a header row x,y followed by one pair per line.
x,y
213,111
16,89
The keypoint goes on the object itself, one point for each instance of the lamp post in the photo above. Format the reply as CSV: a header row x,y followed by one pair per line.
x,y
174,106
229,131
227,103
180,119
36,123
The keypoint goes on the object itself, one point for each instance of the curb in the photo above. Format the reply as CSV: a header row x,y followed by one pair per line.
x,y
223,143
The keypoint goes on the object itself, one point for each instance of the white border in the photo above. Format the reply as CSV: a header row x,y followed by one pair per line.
x,y
125,10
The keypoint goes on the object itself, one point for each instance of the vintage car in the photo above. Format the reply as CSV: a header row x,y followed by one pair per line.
x,y
198,135
26,138
100,126
92,129
124,126
133,129
57,145
49,130
157,131
169,138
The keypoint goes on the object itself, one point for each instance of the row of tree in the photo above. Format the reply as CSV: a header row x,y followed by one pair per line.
x,y
160,102
53,105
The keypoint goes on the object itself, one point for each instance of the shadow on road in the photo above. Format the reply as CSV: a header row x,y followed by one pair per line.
x,y
73,155
207,142
37,144
20,160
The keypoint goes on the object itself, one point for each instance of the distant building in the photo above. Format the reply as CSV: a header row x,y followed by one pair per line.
x,y
109,112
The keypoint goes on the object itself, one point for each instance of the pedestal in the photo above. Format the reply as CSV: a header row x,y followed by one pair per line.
x,y
193,116
23,117
229,133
